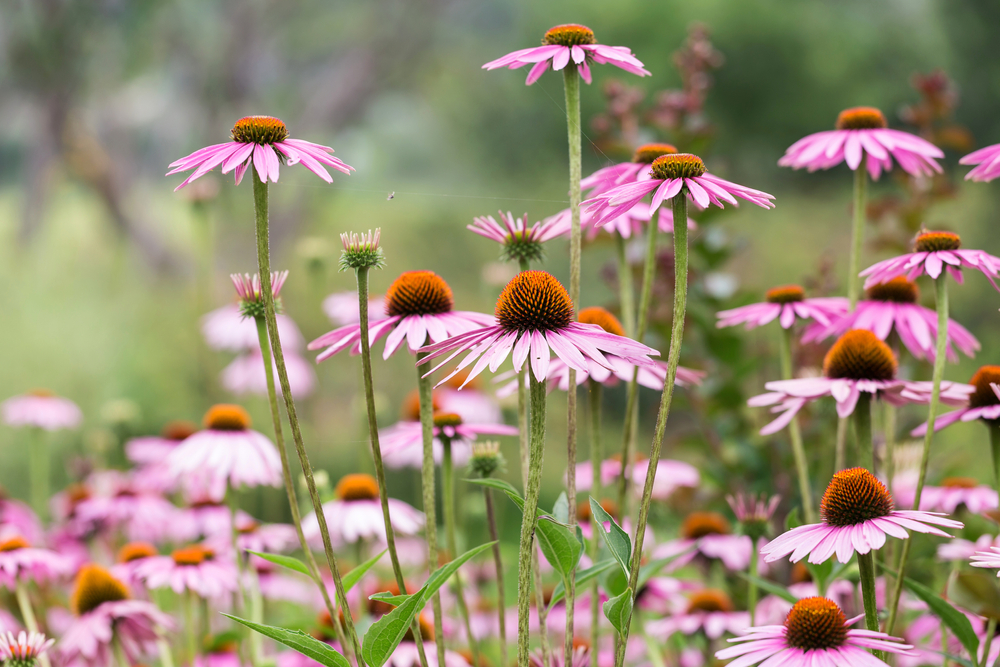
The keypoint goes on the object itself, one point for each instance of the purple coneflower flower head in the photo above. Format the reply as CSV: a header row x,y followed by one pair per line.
x,y
864,131
709,610
959,549
19,519
987,161
138,513
564,44
815,632
194,568
129,558
857,363
24,649
856,514
534,316
520,242
418,305
20,562
226,452
356,513
787,304
754,513
226,329
709,535
361,251
246,375
263,141
894,306
105,615
953,494
402,443
981,403
580,657
932,253
249,294
987,559
668,176
272,538
153,449
42,409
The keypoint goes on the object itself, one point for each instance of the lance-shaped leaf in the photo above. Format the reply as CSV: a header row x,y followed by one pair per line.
x,y
618,610
955,620
284,561
617,539
305,644
354,576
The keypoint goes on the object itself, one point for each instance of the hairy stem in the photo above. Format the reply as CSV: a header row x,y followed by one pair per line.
x,y
595,486
866,567
752,586
840,452
795,433
863,431
264,268
530,518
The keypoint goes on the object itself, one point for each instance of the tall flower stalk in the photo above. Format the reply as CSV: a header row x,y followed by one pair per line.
x,y
795,432
487,460
362,253
596,456
530,517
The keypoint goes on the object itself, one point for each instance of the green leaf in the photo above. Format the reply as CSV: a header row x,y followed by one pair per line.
x,y
389,598
305,644
619,610
498,484
561,509
976,592
561,546
284,561
617,539
614,581
582,577
770,587
956,621
793,520
354,576
965,662
385,634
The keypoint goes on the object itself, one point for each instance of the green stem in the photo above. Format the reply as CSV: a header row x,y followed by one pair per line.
x,y
190,614
383,489
840,451
679,204
626,288
571,79
595,486
28,615
866,567
38,460
491,521
994,430
752,586
166,655
429,497
119,652
286,474
795,433
530,517
863,431
448,491
645,301
242,604
991,628
857,231
941,296
264,268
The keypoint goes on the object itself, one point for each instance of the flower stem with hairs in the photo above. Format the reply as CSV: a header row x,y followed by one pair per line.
x,y
595,485
863,431
429,496
264,267
286,474
679,204
530,518
795,433
941,348
383,492
448,492
866,568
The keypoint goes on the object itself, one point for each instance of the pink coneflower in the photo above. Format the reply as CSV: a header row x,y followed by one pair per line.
x,y
893,306
773,609
815,632
342,307
141,514
275,583
16,517
580,657
982,403
987,559
24,649
129,558
708,610
520,242
670,476
105,615
42,409
356,513
272,538
856,514
534,316
563,44
226,329
418,306
255,139
153,449
857,363
206,516
863,131
787,304
669,175
227,452
953,493
402,443
245,375
959,549
932,253
194,568
709,535
20,562
987,161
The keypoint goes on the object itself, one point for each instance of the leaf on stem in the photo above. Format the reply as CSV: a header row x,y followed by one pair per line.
x,y
305,644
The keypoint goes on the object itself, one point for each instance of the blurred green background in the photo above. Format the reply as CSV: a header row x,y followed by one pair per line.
x,y
100,258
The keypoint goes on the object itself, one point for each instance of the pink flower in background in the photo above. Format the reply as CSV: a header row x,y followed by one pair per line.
x,y
670,175
402,443
987,161
787,304
42,409
105,614
263,141
519,240
856,514
130,558
864,131
245,375
893,306
25,648
959,549
815,632
579,658
670,476
194,568
272,538
226,453
153,449
356,514
709,610
418,307
982,403
563,44
141,514
953,493
226,329
987,559
20,562
207,517
707,534
342,307
277,584
534,317
857,363
933,253
19,519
